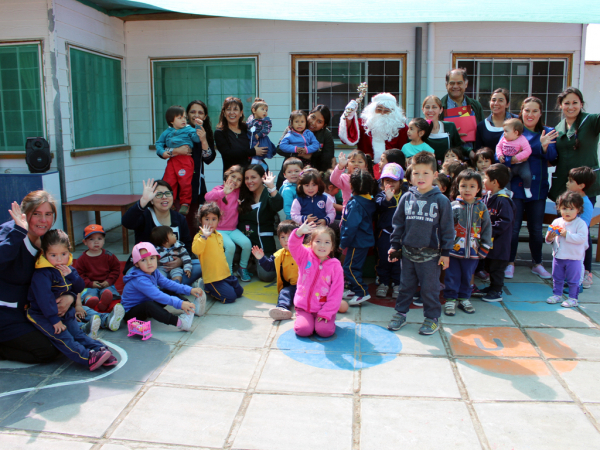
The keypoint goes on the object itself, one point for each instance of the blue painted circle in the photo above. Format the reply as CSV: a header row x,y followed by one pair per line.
x,y
352,347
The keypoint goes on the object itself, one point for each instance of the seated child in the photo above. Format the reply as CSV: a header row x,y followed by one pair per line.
x,y
320,280
226,197
299,139
100,270
483,158
259,127
291,168
387,202
180,168
169,248
143,299
208,245
513,150
90,321
311,203
283,263
357,234
340,176
568,248
54,276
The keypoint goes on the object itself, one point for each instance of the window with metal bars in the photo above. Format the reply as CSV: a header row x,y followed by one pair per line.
x,y
543,78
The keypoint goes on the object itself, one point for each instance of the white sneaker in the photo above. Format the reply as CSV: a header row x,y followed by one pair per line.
x,y
348,294
199,304
541,272
94,326
509,272
527,192
382,290
356,300
395,291
587,280
280,313
199,283
185,322
115,317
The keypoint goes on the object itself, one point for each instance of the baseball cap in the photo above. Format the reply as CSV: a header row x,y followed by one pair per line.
x,y
150,251
393,171
93,229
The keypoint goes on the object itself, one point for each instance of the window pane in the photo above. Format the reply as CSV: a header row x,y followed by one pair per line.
x,y
502,68
20,96
485,84
539,84
501,82
555,84
540,67
376,68
485,68
303,84
515,102
519,84
96,86
557,68
303,67
392,67
520,69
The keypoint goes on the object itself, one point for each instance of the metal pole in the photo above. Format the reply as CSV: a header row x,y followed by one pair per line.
x,y
418,52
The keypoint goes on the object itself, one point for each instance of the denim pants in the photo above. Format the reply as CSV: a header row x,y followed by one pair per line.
x,y
535,218
458,278
95,292
428,275
89,313
286,297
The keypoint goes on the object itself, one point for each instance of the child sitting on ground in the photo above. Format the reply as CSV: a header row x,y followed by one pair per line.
x,y
568,248
311,203
292,167
54,276
180,168
90,321
169,248
259,127
283,263
226,197
320,280
143,299
208,245
513,150
99,269
387,202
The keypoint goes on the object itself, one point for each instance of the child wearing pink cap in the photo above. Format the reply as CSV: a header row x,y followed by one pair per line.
x,y
143,299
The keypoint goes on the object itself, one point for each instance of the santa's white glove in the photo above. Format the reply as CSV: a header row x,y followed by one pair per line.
x,y
351,109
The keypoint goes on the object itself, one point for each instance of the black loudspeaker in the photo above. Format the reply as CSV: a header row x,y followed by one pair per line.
x,y
37,154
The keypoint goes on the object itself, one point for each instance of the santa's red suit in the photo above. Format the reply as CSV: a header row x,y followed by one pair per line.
x,y
356,135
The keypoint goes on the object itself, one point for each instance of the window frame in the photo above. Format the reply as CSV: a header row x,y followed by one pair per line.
x,y
297,57
152,60
103,149
17,154
568,57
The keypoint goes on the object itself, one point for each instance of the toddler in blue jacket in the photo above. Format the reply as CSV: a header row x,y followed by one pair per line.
x,y
259,127
298,139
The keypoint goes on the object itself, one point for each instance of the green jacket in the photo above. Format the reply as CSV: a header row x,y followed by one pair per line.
x,y
259,223
569,158
474,104
441,144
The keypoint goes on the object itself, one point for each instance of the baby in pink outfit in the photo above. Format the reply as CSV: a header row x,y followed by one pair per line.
x,y
513,150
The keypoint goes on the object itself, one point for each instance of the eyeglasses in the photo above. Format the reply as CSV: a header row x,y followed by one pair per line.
x,y
164,194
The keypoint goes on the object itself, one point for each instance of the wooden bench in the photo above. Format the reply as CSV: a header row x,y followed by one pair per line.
x,y
98,203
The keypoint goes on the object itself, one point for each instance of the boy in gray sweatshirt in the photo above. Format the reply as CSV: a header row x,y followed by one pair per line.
x,y
424,231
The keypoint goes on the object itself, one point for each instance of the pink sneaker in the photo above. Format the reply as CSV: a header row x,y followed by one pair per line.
x,y
541,272
509,272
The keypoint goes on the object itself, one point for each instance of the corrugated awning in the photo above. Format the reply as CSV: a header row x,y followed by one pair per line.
x,y
373,11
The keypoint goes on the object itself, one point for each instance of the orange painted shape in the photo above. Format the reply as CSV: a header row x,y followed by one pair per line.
x,y
512,342
521,367
552,347
564,366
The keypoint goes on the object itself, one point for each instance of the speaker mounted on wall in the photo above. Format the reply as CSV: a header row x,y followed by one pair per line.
x,y
37,154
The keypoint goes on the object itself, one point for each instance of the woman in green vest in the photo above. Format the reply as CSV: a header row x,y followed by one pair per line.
x,y
444,135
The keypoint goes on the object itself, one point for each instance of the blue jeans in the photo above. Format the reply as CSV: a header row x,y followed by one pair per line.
x,y
95,292
458,278
89,313
535,218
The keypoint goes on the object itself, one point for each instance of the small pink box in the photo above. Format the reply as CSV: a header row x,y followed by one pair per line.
x,y
140,327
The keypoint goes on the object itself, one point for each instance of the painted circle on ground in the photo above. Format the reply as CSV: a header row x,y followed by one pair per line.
x,y
261,292
504,343
352,347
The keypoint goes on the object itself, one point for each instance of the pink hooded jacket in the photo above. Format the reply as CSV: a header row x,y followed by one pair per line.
x,y
229,212
320,284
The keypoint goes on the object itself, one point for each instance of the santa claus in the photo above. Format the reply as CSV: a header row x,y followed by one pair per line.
x,y
382,126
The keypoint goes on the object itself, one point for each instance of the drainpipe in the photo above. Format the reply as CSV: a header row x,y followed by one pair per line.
x,y
582,55
418,52
430,57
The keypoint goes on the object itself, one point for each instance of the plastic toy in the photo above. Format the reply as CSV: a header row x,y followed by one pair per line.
x,y
555,229
140,327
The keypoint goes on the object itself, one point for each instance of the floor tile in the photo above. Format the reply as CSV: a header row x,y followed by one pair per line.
x,y
86,409
231,331
285,374
17,442
592,310
510,379
215,367
319,422
581,377
404,377
243,307
560,318
181,416
485,314
416,425
536,426
565,343
489,341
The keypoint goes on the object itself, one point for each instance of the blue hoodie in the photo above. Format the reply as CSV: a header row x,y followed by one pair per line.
x,y
292,140
143,287
356,227
502,217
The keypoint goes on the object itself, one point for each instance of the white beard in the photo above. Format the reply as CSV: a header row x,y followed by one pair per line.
x,y
381,128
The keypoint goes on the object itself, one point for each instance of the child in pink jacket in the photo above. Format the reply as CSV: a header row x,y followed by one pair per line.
x,y
320,280
513,150
226,197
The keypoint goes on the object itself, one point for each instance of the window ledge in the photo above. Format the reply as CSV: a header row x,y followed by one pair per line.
x,y
99,150
152,147
17,155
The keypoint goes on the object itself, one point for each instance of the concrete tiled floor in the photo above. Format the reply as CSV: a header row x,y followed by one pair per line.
x,y
519,374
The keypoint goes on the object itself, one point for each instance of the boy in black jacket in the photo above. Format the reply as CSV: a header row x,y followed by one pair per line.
x,y
502,215
424,230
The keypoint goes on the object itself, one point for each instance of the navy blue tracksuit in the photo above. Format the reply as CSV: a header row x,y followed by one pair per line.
x,y
387,272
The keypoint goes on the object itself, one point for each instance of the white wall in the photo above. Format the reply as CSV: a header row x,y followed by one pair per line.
x,y
591,88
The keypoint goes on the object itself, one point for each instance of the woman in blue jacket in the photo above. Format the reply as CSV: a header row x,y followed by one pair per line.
x,y
541,139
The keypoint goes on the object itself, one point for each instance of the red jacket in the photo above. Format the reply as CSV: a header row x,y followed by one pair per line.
x,y
104,267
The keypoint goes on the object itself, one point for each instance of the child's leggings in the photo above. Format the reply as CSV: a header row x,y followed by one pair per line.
x,y
73,343
152,310
226,291
179,174
568,270
306,324
230,239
